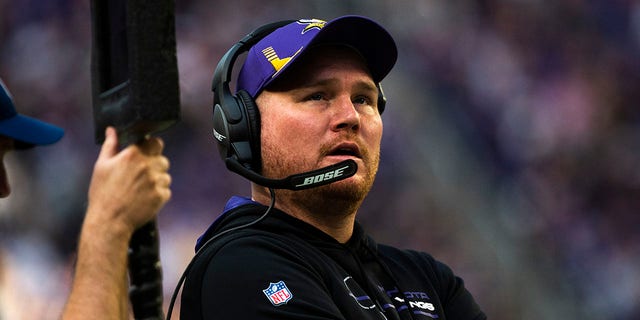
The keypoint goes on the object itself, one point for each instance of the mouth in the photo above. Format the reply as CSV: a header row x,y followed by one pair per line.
x,y
346,150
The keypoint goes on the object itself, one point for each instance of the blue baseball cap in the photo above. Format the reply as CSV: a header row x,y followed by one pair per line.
x,y
272,55
26,131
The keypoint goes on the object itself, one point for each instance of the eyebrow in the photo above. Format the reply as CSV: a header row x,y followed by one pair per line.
x,y
360,85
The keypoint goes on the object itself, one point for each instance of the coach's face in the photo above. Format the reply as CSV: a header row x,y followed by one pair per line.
x,y
323,110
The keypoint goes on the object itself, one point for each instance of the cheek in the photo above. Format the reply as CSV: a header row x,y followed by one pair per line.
x,y
290,132
373,135
287,141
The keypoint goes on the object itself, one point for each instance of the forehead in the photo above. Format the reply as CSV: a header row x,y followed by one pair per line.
x,y
318,61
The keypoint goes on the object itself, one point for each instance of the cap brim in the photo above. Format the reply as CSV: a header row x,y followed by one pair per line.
x,y
369,38
29,131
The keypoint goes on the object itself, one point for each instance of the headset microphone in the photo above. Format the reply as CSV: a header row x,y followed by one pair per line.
x,y
306,180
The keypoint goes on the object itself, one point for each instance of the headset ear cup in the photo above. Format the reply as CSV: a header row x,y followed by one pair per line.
x,y
253,124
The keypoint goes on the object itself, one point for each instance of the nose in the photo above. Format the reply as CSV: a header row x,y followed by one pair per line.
x,y
346,117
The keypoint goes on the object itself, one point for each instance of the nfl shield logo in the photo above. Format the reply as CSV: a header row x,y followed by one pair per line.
x,y
278,293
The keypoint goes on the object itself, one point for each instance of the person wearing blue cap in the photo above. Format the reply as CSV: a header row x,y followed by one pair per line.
x,y
19,132
128,188
310,93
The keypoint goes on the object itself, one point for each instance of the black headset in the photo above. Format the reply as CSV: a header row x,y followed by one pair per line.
x,y
236,119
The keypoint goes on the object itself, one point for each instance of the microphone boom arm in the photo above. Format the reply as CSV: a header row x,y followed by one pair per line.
x,y
301,181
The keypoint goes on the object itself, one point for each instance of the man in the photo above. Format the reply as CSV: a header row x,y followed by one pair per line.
x,y
128,188
20,132
316,87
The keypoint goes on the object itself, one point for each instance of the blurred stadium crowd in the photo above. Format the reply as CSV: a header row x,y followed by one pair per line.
x,y
511,147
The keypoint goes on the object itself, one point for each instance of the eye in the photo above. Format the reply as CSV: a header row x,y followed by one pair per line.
x,y
362,100
315,96
365,100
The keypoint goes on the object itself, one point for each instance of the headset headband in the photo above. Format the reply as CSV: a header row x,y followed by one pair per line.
x,y
222,74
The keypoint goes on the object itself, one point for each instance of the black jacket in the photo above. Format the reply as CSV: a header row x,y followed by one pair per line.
x,y
283,268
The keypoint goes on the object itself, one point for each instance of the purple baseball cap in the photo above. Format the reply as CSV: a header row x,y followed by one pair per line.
x,y
272,55
26,131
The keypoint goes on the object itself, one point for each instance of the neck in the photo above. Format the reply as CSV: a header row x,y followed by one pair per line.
x,y
333,215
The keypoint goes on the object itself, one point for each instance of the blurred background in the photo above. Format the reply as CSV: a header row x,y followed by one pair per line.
x,y
511,147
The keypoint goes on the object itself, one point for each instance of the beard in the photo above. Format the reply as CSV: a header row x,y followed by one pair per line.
x,y
340,197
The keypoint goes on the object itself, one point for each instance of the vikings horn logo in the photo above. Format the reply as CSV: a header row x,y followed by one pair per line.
x,y
311,24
